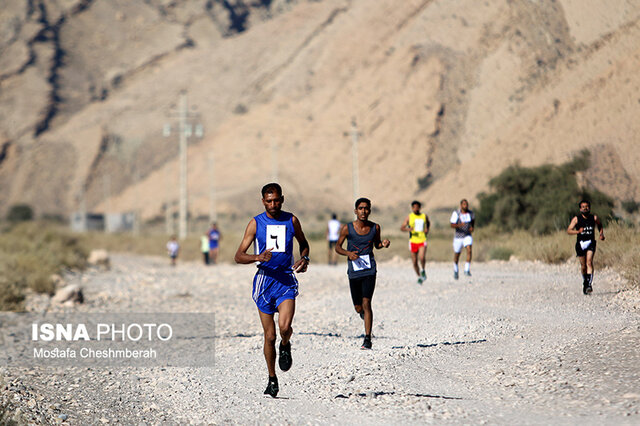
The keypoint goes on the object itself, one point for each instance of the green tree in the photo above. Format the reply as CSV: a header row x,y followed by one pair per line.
x,y
20,213
540,199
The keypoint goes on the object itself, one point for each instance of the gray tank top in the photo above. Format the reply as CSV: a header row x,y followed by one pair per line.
x,y
363,245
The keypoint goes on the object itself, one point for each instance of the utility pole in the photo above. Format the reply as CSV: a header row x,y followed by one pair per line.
x,y
136,214
184,133
274,160
106,190
168,211
212,189
354,150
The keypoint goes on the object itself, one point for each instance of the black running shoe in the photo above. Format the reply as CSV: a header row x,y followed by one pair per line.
x,y
272,388
285,360
587,289
367,343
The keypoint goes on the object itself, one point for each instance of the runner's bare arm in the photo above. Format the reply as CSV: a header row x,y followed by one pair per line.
x,y
405,225
241,254
427,225
302,264
571,229
380,244
344,231
600,227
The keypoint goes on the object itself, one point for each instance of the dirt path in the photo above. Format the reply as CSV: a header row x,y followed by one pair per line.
x,y
515,343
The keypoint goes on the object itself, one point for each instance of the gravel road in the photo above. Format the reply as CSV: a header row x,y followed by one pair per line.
x,y
517,342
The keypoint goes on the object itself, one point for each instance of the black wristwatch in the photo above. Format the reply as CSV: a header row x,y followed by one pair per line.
x,y
306,258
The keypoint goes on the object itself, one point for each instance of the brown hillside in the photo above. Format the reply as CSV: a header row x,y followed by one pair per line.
x,y
446,94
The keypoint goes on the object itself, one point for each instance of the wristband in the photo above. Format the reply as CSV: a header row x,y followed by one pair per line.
x,y
306,258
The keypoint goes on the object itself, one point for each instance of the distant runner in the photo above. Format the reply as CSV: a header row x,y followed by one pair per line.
x,y
275,286
462,220
583,227
214,242
173,249
333,232
362,236
417,224
204,247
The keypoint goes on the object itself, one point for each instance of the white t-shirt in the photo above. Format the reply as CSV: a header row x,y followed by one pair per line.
x,y
334,230
172,247
466,218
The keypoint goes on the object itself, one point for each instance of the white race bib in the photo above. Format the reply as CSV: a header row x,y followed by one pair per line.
x,y
361,263
585,244
465,218
276,238
418,225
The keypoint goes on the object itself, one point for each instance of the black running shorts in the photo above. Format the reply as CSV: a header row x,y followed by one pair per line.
x,y
362,287
580,252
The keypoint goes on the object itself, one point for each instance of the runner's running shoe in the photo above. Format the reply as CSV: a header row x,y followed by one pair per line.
x,y
285,360
367,343
272,387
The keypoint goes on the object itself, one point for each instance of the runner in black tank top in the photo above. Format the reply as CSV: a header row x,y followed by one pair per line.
x,y
362,236
583,227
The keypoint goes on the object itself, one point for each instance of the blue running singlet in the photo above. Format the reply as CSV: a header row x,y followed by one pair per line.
x,y
276,234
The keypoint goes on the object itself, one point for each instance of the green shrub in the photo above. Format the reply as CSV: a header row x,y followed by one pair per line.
x,y
20,213
539,199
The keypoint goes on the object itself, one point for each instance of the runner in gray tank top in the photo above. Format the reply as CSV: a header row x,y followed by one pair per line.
x,y
362,236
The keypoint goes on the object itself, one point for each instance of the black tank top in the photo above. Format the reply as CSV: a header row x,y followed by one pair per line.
x,y
363,246
588,224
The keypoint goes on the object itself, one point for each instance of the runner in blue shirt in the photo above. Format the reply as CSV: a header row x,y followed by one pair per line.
x,y
275,286
214,242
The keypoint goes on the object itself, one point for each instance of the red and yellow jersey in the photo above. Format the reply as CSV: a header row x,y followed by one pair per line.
x,y
418,224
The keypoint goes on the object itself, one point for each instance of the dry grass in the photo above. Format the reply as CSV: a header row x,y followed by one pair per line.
x,y
29,254
621,251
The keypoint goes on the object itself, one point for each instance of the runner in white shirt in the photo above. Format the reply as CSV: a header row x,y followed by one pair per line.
x,y
333,232
462,220
173,248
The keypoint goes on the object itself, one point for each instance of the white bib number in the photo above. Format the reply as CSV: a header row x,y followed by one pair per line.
x,y
276,238
585,244
361,263
418,225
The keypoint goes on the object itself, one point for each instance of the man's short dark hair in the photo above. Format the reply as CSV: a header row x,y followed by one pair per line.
x,y
414,202
464,200
363,200
334,216
272,188
584,201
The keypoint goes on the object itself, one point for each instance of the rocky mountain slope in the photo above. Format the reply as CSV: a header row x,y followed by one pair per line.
x,y
445,94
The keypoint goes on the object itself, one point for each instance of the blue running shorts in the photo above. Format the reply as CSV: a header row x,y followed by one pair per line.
x,y
271,288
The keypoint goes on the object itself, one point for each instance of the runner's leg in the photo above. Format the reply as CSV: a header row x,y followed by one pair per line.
x,y
368,315
286,310
589,262
414,260
422,254
269,328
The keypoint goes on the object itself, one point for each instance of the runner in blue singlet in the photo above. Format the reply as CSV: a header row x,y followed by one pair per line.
x,y
274,286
